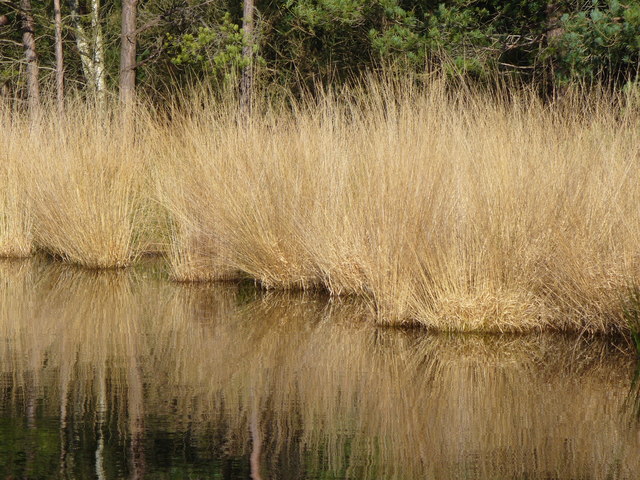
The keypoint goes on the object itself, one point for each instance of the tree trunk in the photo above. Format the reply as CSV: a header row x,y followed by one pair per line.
x,y
553,31
246,82
256,442
5,95
59,56
98,50
128,52
82,43
553,27
29,43
91,47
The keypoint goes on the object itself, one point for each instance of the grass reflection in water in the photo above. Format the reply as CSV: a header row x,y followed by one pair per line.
x,y
116,375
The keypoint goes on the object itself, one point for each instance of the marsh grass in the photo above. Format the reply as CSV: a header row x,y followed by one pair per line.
x,y
438,206
452,210
88,197
16,238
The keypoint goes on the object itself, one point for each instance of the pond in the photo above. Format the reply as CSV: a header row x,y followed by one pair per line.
x,y
126,375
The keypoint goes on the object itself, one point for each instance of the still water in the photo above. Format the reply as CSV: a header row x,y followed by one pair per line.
x,y
125,375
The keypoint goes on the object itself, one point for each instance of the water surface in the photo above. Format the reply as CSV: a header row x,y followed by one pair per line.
x,y
125,375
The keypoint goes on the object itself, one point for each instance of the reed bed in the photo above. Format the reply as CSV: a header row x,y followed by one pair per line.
x,y
455,211
439,207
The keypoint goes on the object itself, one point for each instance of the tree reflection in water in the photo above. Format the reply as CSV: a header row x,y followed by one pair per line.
x,y
115,375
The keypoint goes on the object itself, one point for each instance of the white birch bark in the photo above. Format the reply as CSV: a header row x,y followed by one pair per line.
x,y
90,43
82,42
98,49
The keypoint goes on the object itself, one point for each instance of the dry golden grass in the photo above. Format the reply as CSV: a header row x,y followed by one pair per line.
x,y
87,197
440,207
16,239
75,188
456,212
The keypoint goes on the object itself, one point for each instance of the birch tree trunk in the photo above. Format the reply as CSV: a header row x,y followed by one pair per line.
x,y
246,82
31,57
91,47
57,14
5,94
98,50
82,42
128,52
256,442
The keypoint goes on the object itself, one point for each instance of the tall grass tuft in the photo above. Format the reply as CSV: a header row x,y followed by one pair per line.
x,y
88,194
632,315
16,235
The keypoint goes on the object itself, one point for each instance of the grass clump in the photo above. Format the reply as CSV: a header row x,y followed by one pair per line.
x,y
16,238
88,194
632,315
